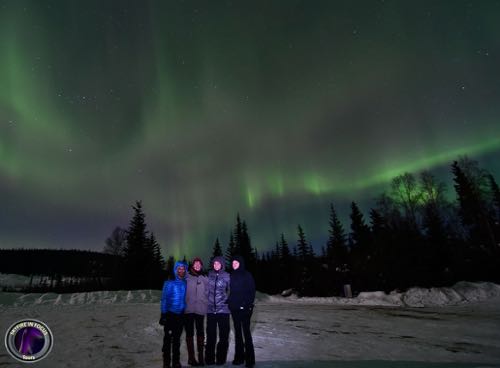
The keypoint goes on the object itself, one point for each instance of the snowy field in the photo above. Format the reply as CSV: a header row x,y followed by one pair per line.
x,y
455,327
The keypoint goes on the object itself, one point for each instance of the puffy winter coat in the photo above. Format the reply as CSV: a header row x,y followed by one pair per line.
x,y
218,289
242,287
173,296
196,293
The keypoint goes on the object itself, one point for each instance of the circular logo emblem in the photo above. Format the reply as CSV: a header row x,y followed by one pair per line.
x,y
29,340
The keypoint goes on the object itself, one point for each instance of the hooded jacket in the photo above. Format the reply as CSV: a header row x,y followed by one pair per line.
x,y
196,291
218,288
242,286
173,296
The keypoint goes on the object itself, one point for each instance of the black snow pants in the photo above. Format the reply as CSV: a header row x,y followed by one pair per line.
x,y
172,339
215,320
243,352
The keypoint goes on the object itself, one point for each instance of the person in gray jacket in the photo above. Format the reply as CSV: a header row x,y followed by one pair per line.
x,y
218,313
196,308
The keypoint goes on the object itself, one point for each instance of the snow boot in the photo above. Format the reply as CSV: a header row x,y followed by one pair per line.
x,y
200,342
190,348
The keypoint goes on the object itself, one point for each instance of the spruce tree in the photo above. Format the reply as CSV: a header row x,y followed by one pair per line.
x,y
360,245
286,265
284,249
138,254
157,262
231,250
246,250
305,279
276,254
336,247
302,246
377,222
217,250
360,232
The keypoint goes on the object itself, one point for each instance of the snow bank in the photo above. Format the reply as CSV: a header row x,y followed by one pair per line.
x,y
462,292
94,297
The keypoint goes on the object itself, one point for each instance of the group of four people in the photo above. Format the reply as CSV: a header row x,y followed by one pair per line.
x,y
191,295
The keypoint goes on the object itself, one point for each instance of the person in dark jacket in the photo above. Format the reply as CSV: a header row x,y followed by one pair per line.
x,y
173,303
217,313
196,308
241,302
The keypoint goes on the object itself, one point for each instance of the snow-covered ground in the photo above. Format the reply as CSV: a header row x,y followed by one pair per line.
x,y
456,327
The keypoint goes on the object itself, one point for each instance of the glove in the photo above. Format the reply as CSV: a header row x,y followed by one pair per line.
x,y
163,319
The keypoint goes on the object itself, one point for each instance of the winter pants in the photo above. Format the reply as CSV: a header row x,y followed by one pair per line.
x,y
172,339
243,352
190,321
215,320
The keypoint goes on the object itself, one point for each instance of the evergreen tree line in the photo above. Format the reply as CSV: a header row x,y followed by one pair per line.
x,y
139,263
415,236
57,269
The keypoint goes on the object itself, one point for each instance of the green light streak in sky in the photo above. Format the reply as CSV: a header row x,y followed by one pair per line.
x,y
200,118
429,162
319,185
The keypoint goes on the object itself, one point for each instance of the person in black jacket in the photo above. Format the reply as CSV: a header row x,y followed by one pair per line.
x,y
241,302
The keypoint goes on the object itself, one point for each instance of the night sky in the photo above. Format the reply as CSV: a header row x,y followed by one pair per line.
x,y
203,109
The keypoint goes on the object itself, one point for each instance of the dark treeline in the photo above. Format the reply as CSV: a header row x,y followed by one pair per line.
x,y
58,270
131,260
415,235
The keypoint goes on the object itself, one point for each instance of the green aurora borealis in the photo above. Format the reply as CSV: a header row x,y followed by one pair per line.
x,y
203,109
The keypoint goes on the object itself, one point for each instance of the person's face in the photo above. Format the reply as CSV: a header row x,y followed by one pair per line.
x,y
217,266
197,266
181,272
236,265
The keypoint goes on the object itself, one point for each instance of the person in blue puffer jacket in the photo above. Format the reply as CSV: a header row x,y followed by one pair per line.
x,y
173,303
217,313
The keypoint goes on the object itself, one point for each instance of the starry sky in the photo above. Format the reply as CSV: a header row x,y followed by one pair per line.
x,y
205,109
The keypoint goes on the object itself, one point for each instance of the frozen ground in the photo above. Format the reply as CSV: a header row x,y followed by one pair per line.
x,y
120,329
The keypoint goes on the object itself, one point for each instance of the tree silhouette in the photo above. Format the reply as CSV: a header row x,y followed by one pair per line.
x,y
231,250
407,197
143,263
117,242
336,248
360,244
217,250
303,248
469,185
